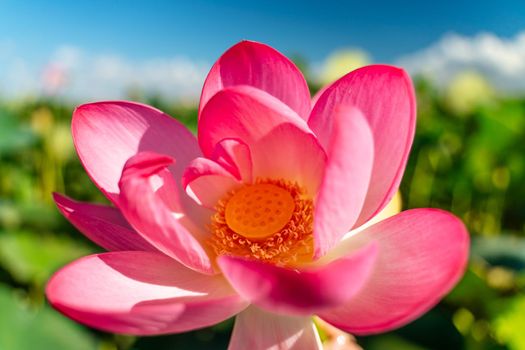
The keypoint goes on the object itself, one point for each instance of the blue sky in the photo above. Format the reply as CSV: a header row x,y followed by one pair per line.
x,y
129,38
202,29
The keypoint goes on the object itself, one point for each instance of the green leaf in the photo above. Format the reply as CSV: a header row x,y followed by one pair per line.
x,y
508,251
390,342
13,136
26,329
509,325
32,258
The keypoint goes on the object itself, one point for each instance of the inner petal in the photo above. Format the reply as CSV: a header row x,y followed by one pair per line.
x,y
271,220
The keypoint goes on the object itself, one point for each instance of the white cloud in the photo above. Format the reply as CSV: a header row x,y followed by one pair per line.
x,y
14,72
501,61
81,76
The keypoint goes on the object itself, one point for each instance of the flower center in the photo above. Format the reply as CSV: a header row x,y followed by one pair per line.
x,y
271,220
259,210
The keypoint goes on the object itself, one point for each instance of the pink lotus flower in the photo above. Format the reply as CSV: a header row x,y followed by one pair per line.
x,y
259,217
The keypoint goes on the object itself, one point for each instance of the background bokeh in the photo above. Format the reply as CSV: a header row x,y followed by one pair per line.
x,y
468,158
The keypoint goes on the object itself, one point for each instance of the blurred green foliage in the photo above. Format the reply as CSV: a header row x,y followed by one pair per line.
x,y
470,161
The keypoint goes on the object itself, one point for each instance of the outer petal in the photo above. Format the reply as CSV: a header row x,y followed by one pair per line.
x,y
302,292
280,143
147,196
102,224
256,329
422,255
107,134
207,181
260,66
140,293
386,97
346,178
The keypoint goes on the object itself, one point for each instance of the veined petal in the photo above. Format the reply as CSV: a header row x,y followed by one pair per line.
x,y
258,65
102,224
422,255
246,112
234,156
148,195
289,153
346,178
386,97
256,329
280,143
299,291
107,134
141,293
207,181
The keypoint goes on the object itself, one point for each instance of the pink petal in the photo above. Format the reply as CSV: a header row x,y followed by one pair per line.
x,y
102,224
107,134
280,142
141,293
256,329
289,153
422,255
346,178
234,156
249,112
299,291
207,181
386,97
260,66
147,195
